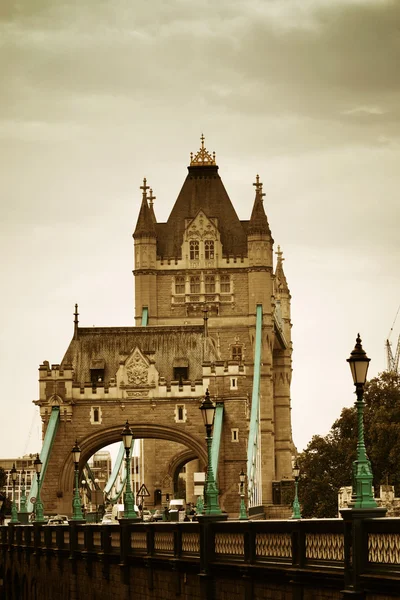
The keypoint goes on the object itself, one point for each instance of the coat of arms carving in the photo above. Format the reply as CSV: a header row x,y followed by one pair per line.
x,y
137,369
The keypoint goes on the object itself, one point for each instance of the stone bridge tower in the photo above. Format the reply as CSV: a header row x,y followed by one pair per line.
x,y
198,280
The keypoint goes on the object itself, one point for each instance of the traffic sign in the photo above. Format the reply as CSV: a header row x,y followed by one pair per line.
x,y
143,491
33,499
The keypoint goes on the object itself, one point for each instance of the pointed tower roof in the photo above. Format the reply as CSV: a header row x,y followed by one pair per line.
x,y
145,223
279,272
202,190
258,221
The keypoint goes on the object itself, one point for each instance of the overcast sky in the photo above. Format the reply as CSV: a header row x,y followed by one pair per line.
x,y
97,94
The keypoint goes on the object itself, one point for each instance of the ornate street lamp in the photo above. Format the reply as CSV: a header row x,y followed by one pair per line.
x,y
296,505
210,489
76,502
14,512
129,504
39,518
363,496
242,479
22,503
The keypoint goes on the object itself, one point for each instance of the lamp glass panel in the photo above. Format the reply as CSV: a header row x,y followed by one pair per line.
x,y
38,464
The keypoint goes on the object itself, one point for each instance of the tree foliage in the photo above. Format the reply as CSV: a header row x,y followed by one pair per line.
x,y
3,478
326,463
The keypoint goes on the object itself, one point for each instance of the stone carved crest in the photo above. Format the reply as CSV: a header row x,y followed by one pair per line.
x,y
201,227
137,369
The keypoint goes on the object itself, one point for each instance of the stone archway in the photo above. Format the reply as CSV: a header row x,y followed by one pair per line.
x,y
95,441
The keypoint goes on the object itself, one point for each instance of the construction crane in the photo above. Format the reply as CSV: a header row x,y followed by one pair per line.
x,y
393,360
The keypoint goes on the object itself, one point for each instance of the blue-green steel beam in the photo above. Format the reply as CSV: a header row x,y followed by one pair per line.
x,y
255,402
217,433
145,316
48,441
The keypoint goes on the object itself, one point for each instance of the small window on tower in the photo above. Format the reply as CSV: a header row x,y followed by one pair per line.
x,y
225,283
209,249
237,353
194,250
95,415
180,413
180,374
179,285
235,435
209,283
195,285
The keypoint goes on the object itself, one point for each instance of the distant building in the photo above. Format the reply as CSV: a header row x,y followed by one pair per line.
x,y
386,498
25,463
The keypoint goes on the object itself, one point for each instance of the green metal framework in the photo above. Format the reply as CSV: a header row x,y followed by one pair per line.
x,y
48,441
254,439
119,463
145,316
217,433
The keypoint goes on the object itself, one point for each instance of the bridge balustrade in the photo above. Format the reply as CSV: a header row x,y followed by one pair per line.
x,y
312,551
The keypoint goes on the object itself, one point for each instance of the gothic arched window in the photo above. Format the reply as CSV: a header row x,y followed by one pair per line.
x,y
208,249
179,285
209,282
225,284
195,285
194,249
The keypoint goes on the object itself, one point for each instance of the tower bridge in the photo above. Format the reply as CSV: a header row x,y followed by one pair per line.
x,y
212,311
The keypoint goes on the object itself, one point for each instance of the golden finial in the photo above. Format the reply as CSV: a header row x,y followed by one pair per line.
x,y
151,197
144,187
258,185
203,157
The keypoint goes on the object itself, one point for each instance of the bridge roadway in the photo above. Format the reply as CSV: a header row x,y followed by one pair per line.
x,y
324,559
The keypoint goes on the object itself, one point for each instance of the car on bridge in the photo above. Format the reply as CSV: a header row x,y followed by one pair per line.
x,y
58,520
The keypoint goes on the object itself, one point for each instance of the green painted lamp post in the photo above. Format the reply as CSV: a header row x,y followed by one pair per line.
x,y
22,503
39,518
129,504
76,502
242,513
211,490
14,511
296,505
363,496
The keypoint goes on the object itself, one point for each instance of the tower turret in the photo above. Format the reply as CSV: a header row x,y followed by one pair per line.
x,y
259,244
145,259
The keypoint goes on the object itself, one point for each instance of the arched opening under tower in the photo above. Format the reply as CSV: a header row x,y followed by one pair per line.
x,y
162,459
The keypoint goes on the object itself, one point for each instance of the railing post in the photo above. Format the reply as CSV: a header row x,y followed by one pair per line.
x,y
355,549
298,559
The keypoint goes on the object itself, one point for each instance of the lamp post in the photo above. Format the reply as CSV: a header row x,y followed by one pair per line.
x,y
242,513
96,490
296,505
22,503
129,505
76,502
14,512
211,490
39,518
363,496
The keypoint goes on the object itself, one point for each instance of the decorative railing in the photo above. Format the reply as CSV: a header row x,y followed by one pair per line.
x,y
317,548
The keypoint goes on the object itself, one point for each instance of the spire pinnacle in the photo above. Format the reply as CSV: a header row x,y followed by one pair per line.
x,y
144,187
203,157
258,185
279,254
76,322
151,198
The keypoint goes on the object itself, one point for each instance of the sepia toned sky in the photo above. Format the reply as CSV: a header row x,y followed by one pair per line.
x,y
97,94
